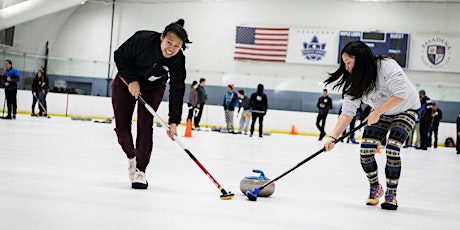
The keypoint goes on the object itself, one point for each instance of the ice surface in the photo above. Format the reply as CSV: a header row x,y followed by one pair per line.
x,y
62,174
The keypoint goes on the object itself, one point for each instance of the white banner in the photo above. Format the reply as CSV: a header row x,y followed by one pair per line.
x,y
312,47
434,53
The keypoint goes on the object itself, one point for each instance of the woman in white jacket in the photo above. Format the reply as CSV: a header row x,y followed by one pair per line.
x,y
382,84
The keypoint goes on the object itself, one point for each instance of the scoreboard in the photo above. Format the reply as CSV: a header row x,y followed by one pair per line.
x,y
395,45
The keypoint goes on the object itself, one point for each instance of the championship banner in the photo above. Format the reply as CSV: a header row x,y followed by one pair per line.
x,y
434,53
318,47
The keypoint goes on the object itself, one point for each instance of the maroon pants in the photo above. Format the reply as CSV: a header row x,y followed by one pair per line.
x,y
123,107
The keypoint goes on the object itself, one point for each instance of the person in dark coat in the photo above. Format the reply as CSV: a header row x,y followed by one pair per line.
x,y
40,88
145,63
458,134
243,102
10,78
202,98
324,104
192,100
436,116
425,119
259,106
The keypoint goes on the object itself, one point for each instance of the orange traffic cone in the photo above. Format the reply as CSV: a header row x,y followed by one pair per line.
x,y
293,132
188,129
378,149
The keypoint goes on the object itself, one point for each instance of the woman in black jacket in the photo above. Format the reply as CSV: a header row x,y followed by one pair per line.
x,y
146,62
40,89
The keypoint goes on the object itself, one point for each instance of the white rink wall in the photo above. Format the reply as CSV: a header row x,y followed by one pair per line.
x,y
275,121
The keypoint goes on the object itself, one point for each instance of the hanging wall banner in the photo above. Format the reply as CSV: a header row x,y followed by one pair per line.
x,y
435,53
312,47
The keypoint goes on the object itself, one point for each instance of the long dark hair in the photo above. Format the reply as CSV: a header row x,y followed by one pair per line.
x,y
42,77
363,78
178,29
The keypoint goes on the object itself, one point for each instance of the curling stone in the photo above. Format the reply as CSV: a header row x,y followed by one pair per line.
x,y
250,183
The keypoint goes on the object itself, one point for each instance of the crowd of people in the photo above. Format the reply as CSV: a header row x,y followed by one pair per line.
x,y
249,110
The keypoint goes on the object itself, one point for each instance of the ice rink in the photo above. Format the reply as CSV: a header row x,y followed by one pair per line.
x,y
59,173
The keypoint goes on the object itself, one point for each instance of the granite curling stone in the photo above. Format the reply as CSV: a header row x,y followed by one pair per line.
x,y
250,183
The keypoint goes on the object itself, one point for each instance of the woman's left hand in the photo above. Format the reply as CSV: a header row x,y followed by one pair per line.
x,y
172,131
329,144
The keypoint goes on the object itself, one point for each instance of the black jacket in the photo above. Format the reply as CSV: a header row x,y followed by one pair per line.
x,y
425,109
258,100
244,102
140,59
437,118
458,124
201,95
326,101
37,84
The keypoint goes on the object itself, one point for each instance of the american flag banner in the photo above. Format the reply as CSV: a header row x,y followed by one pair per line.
x,y
261,44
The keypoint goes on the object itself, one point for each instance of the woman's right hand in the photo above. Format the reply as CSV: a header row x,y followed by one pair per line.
x,y
134,88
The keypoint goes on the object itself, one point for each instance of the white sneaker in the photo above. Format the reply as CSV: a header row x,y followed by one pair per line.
x,y
140,181
131,168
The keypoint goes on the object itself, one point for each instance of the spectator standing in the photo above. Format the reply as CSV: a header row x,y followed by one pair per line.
x,y
202,98
230,102
10,77
40,88
259,107
351,137
458,134
243,101
192,101
324,104
436,116
425,119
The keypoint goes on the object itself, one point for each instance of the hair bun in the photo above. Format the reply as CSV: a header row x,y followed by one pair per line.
x,y
181,22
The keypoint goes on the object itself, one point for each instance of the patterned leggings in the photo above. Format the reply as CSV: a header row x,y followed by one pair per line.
x,y
400,126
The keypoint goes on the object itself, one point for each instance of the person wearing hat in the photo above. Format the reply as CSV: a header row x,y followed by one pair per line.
x,y
230,102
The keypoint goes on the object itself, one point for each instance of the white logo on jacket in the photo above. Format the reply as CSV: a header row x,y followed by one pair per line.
x,y
154,78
